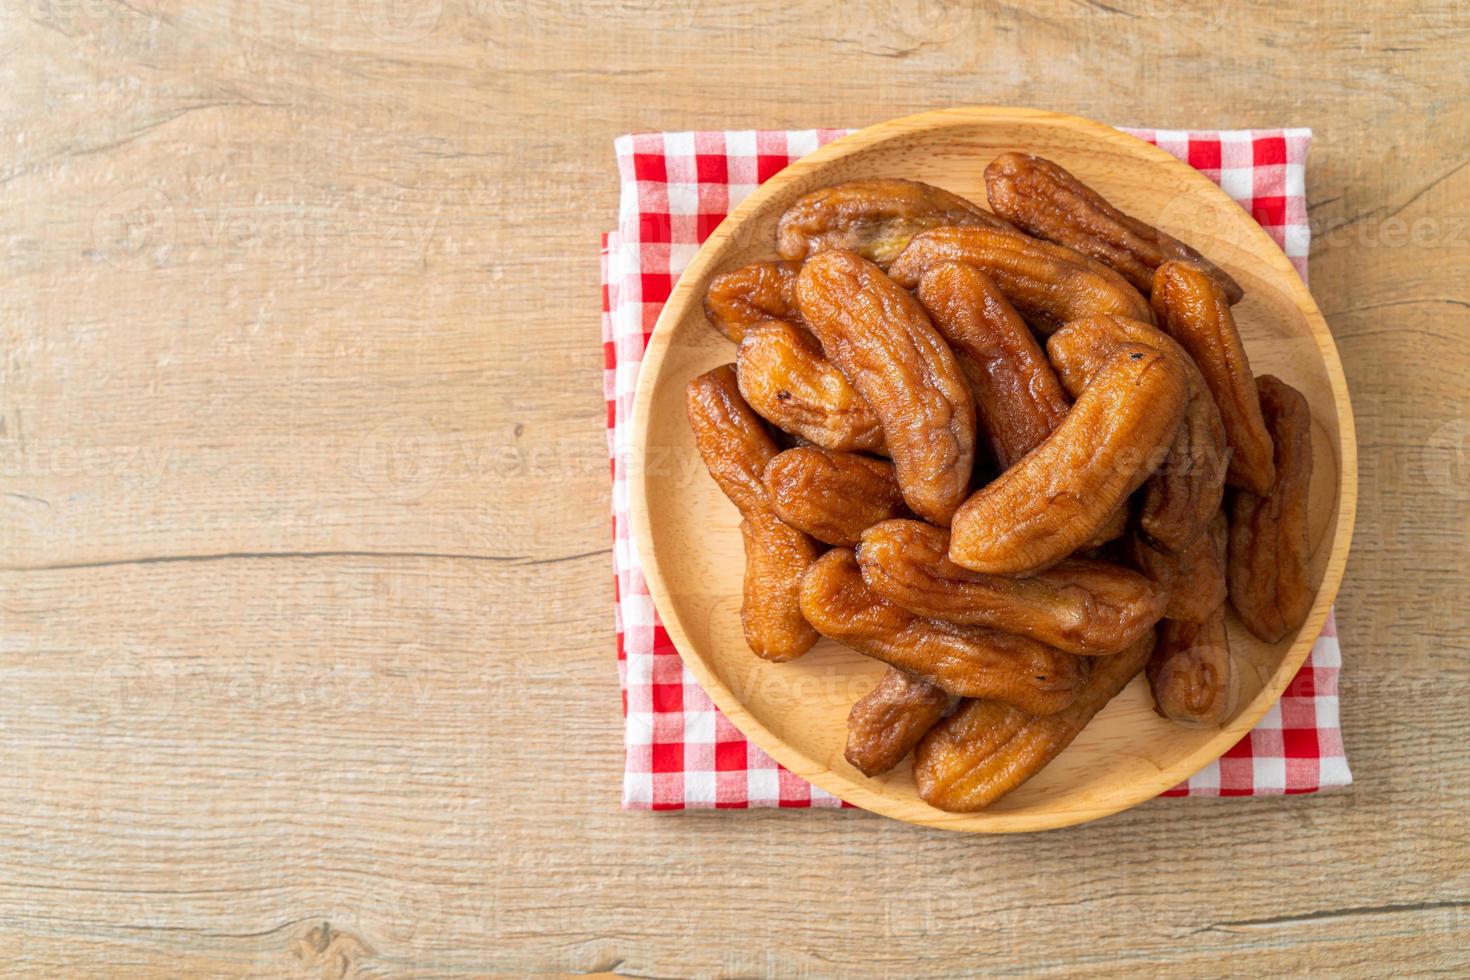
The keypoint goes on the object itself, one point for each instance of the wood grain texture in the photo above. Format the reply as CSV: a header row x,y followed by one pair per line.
x,y
304,608
693,557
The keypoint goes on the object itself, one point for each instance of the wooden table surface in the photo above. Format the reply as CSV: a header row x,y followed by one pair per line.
x,y
305,609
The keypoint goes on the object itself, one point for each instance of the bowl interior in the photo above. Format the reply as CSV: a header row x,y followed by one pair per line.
x,y
687,532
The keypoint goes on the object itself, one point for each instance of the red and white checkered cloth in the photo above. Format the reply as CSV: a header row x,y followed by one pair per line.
x,y
681,752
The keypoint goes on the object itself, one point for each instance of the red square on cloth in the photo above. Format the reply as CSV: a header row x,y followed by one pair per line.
x,y
1268,150
680,751
650,166
1269,212
1204,154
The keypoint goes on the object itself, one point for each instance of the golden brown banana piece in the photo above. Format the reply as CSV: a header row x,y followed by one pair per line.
x,y
964,660
1269,544
1193,309
881,339
1046,201
986,749
1194,578
1063,492
785,378
732,440
1081,606
1048,284
834,497
776,557
874,218
752,294
1185,493
887,722
1018,400
736,447
1191,672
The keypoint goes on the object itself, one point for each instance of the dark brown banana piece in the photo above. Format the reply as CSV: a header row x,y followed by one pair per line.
x,y
1048,284
1046,201
882,341
752,294
1191,672
874,218
1191,307
787,380
1194,578
964,660
1018,400
1185,492
986,749
776,557
887,722
1081,606
732,440
834,497
736,447
1269,536
1063,492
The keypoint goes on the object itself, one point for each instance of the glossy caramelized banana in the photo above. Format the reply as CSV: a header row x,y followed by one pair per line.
x,y
1047,284
751,294
874,218
736,447
1269,545
880,338
1079,605
886,723
832,496
1018,400
1046,201
1194,578
1062,493
785,378
1193,309
776,557
964,660
1186,490
1191,671
732,440
986,749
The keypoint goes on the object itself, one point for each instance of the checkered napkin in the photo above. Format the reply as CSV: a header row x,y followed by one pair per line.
x,y
681,751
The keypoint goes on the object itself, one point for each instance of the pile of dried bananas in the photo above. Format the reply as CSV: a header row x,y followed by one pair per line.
x,y
992,450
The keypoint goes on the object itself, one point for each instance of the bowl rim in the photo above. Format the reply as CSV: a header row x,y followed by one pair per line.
x,y
853,790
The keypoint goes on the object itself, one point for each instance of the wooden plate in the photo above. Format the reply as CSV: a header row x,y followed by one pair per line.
x,y
687,535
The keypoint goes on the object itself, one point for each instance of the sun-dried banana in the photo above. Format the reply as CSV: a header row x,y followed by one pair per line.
x,y
1046,201
887,722
1193,578
1079,605
1269,545
881,339
736,447
1062,493
986,749
1185,492
1048,284
874,218
785,378
1193,309
751,294
834,497
1018,400
968,661
1191,672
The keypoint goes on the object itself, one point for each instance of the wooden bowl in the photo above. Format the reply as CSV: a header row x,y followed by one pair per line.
x,y
687,532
